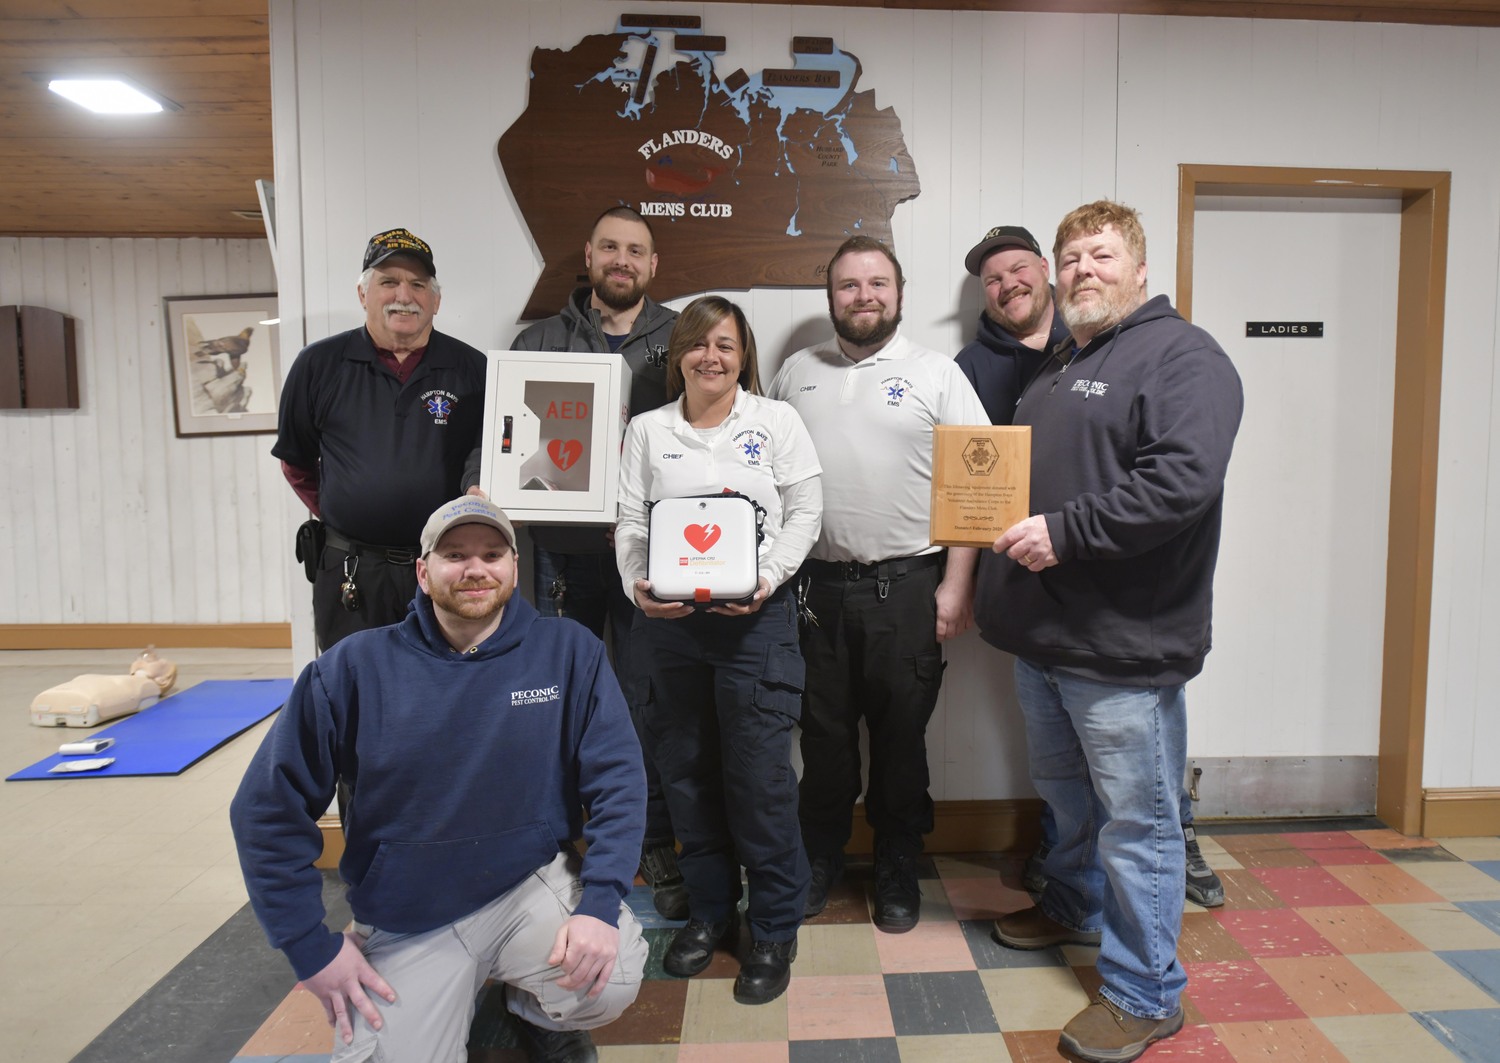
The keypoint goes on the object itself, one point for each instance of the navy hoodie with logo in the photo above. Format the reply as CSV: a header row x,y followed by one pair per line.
x,y
469,771
999,365
1130,442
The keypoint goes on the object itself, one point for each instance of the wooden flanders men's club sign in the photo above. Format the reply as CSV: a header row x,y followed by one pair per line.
x,y
749,180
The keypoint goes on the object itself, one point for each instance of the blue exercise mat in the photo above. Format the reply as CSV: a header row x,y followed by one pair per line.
x,y
175,733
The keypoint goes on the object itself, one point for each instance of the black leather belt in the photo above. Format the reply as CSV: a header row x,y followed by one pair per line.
x,y
850,571
385,553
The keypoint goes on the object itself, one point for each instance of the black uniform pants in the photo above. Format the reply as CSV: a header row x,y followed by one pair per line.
x,y
873,653
587,588
723,693
385,592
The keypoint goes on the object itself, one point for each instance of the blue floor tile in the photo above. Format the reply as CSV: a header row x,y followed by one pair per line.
x,y
1469,1035
939,1002
989,954
1487,912
856,1050
1480,966
1489,867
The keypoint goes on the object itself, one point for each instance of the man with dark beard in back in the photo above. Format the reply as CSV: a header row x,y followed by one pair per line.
x,y
573,571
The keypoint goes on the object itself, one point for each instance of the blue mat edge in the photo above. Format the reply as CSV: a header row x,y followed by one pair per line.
x,y
30,772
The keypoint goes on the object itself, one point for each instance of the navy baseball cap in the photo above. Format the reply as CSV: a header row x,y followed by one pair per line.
x,y
998,238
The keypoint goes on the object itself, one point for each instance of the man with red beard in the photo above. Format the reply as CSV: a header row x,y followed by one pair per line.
x,y
475,735
573,571
1019,325
373,431
883,597
1104,597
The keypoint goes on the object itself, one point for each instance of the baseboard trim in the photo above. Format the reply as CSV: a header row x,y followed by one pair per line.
x,y
1461,812
128,636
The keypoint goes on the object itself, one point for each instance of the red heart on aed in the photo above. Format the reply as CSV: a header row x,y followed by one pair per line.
x,y
701,536
564,452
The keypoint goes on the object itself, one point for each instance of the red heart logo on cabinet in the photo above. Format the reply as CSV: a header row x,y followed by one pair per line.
x,y
564,452
701,536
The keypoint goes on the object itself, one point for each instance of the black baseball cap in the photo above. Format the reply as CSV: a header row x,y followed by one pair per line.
x,y
394,242
1001,236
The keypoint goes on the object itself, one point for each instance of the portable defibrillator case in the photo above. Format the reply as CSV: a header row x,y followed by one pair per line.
x,y
704,549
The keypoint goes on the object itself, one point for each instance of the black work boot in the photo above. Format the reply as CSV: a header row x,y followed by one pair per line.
x,y
556,1046
898,897
766,973
826,872
692,948
659,870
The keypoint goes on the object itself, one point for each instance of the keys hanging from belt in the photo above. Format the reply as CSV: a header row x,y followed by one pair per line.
x,y
348,592
804,614
557,592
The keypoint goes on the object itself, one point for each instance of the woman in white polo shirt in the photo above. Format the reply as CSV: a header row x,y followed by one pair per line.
x,y
725,682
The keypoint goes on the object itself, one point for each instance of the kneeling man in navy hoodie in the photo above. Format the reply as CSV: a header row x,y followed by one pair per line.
x,y
475,735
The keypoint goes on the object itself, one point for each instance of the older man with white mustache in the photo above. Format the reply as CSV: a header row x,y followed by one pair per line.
x,y
374,427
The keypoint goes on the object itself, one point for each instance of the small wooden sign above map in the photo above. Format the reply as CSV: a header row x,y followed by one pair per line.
x,y
749,179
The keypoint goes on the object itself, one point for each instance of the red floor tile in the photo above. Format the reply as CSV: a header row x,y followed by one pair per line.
x,y
1286,1041
1306,887
1200,1044
1384,884
1328,986
1323,839
1347,856
1275,932
825,1008
1035,1046
1242,890
1239,991
1359,929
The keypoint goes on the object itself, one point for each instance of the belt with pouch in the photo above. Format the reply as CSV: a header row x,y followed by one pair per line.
x,y
891,568
385,553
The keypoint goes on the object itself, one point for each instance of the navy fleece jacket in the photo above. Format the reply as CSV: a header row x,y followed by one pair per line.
x,y
468,771
1130,441
999,365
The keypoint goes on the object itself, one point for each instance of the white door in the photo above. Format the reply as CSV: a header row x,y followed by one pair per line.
x,y
1300,591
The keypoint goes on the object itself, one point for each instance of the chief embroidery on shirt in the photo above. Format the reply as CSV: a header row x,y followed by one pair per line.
x,y
656,355
440,404
895,388
752,445
1090,387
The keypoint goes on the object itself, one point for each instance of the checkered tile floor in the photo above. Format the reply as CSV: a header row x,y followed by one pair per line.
x,y
1364,946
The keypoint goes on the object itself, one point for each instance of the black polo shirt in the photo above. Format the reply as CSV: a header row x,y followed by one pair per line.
x,y
387,455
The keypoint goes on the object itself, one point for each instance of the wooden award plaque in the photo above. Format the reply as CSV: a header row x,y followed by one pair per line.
x,y
981,482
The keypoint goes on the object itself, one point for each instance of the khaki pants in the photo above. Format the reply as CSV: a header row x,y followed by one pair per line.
x,y
437,975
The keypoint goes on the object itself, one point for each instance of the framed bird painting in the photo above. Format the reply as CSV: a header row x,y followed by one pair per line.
x,y
226,370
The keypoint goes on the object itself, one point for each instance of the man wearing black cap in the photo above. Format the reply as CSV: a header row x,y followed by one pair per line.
x,y
1019,325
374,428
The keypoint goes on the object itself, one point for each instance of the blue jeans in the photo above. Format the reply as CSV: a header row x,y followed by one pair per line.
x,y
1049,828
1109,761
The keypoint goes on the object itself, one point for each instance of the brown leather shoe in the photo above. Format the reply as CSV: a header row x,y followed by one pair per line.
x,y
1102,1033
1031,928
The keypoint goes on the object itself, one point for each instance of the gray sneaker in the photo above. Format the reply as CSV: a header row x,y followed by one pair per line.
x,y
1203,886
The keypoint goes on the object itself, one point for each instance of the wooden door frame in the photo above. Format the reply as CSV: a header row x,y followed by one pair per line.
x,y
1421,287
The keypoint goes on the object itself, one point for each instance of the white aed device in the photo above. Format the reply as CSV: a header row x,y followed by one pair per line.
x,y
704,549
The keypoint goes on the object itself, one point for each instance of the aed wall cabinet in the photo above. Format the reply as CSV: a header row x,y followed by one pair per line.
x,y
553,422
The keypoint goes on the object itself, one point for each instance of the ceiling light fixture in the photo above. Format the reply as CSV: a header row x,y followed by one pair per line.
x,y
108,96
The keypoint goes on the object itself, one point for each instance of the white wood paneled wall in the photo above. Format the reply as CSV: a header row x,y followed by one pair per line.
x,y
1011,118
106,516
